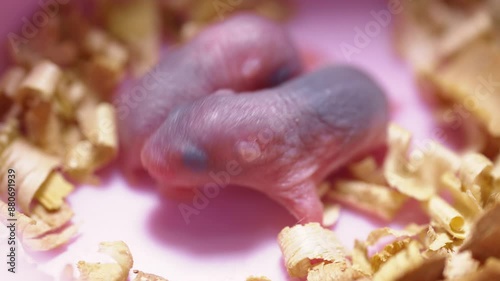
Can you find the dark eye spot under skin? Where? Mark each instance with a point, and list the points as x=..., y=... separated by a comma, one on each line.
x=282, y=74
x=195, y=159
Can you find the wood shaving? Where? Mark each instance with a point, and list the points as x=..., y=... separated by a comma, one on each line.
x=418, y=176
x=368, y=171
x=446, y=216
x=379, y=200
x=460, y=265
x=482, y=242
x=436, y=240
x=137, y=24
x=303, y=244
x=40, y=83
x=194, y=15
x=117, y=271
x=457, y=196
x=38, y=235
x=141, y=276
x=400, y=264
x=457, y=54
x=257, y=278
x=334, y=272
x=53, y=191
x=56, y=119
x=331, y=214
x=360, y=259
x=11, y=80
x=389, y=250
x=32, y=166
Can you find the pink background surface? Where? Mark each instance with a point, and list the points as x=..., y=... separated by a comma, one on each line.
x=235, y=236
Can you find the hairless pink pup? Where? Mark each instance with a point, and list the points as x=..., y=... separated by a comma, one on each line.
x=244, y=53
x=281, y=141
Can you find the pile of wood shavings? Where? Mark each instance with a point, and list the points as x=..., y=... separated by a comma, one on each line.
x=57, y=125
x=454, y=49
x=459, y=243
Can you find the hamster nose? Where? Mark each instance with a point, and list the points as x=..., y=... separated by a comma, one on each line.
x=195, y=158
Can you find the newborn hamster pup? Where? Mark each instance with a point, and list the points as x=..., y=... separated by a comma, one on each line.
x=283, y=141
x=243, y=53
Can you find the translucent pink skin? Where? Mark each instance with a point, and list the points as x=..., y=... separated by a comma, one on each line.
x=243, y=53
x=281, y=141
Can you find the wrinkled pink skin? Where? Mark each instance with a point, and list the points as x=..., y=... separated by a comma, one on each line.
x=284, y=140
x=244, y=53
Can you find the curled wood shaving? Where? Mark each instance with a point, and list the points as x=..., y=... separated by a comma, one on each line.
x=369, y=265
x=36, y=233
x=118, y=271
x=389, y=250
x=301, y=244
x=331, y=214
x=11, y=80
x=51, y=240
x=107, y=64
x=137, y=24
x=360, y=258
x=100, y=146
x=460, y=265
x=53, y=191
x=55, y=218
x=43, y=127
x=99, y=126
x=483, y=240
x=70, y=92
x=40, y=83
x=409, y=231
x=463, y=201
x=375, y=199
x=446, y=216
x=475, y=175
x=427, y=252
x=141, y=276
x=400, y=264
x=80, y=161
x=436, y=240
x=397, y=170
x=469, y=79
x=32, y=166
x=419, y=176
x=368, y=171
x=26, y=226
x=334, y=272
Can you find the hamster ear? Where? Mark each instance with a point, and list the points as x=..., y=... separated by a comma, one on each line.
x=301, y=200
